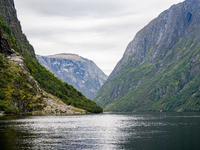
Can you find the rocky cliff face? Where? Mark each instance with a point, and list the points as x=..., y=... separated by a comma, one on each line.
x=158, y=65
x=8, y=12
x=80, y=72
x=160, y=35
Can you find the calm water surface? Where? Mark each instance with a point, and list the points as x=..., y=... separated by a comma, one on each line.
x=108, y=131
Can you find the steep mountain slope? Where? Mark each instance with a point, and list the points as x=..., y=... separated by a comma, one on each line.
x=18, y=90
x=160, y=69
x=18, y=93
x=8, y=11
x=80, y=72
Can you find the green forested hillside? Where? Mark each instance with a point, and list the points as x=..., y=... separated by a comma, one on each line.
x=47, y=81
x=17, y=94
x=66, y=92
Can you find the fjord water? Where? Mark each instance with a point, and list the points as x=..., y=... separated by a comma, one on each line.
x=107, y=131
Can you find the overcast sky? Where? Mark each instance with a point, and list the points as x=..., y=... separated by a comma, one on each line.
x=98, y=30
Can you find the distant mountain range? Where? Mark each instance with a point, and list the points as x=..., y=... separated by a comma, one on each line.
x=75, y=70
x=160, y=68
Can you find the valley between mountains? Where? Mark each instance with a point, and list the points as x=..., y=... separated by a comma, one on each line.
x=158, y=72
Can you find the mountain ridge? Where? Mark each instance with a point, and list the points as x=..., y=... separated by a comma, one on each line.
x=66, y=56
x=130, y=48
x=75, y=70
x=158, y=65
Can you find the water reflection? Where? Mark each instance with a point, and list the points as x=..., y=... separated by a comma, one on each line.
x=104, y=131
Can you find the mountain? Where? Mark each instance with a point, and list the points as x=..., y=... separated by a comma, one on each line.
x=26, y=87
x=19, y=92
x=75, y=70
x=9, y=14
x=160, y=68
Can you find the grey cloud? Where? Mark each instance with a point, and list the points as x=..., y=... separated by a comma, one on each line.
x=71, y=8
x=90, y=28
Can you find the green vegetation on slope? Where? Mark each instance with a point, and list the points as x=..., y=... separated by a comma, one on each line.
x=17, y=91
x=8, y=32
x=66, y=92
x=172, y=86
x=16, y=94
x=47, y=80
